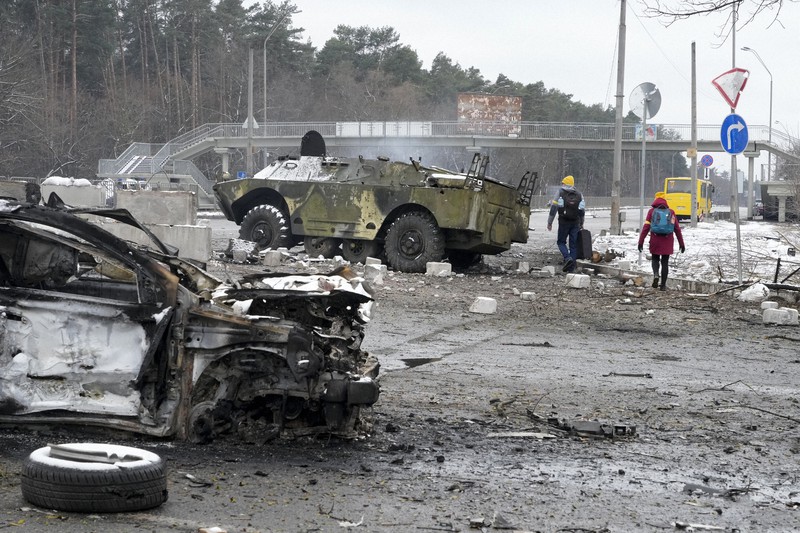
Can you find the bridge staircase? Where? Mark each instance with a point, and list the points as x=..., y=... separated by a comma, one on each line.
x=156, y=166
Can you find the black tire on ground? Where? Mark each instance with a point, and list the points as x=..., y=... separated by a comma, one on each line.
x=413, y=240
x=357, y=250
x=462, y=260
x=137, y=481
x=266, y=226
x=321, y=246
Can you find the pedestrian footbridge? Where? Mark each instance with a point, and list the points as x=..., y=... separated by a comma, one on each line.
x=170, y=165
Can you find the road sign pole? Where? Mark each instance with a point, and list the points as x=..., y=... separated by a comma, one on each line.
x=735, y=184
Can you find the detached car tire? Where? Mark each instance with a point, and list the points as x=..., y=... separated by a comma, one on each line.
x=129, y=479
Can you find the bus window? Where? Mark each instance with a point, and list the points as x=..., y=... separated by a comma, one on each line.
x=679, y=186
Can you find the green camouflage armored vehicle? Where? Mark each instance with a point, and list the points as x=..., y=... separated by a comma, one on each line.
x=358, y=208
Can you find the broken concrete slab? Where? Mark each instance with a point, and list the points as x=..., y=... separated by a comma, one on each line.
x=434, y=268
x=784, y=316
x=272, y=258
x=483, y=305
x=372, y=261
x=374, y=273
x=578, y=281
x=528, y=296
x=769, y=305
x=248, y=247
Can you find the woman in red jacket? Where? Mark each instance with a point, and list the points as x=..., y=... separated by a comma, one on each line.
x=661, y=244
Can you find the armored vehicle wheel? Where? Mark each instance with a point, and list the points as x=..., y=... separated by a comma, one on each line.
x=357, y=251
x=266, y=226
x=321, y=246
x=413, y=240
x=462, y=260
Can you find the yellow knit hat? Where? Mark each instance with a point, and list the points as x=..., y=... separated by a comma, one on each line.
x=569, y=180
x=661, y=194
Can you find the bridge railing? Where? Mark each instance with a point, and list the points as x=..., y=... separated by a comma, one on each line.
x=522, y=130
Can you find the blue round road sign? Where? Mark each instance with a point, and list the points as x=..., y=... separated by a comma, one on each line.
x=733, y=134
x=706, y=160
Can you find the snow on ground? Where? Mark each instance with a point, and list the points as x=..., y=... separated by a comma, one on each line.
x=711, y=251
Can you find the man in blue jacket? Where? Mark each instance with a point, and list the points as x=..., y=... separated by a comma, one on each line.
x=571, y=209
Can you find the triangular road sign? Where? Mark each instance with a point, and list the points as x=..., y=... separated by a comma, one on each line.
x=731, y=84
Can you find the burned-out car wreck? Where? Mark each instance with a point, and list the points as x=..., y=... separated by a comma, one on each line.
x=97, y=331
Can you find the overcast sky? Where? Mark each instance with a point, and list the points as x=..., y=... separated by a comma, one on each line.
x=570, y=45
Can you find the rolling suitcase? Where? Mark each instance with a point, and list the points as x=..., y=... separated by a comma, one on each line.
x=584, y=244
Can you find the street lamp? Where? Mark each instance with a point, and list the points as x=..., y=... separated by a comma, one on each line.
x=769, y=154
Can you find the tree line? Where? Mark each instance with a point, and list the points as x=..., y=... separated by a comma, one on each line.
x=80, y=80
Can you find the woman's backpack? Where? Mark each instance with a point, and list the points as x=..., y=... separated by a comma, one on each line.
x=662, y=221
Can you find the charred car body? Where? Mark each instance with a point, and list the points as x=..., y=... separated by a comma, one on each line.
x=98, y=331
x=408, y=213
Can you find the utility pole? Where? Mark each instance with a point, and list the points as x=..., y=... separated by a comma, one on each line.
x=693, y=163
x=615, y=228
x=250, y=121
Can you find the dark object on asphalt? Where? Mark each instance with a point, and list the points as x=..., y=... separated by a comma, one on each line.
x=94, y=478
x=584, y=244
x=360, y=208
x=100, y=332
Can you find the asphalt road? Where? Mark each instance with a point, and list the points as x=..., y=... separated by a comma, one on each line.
x=474, y=429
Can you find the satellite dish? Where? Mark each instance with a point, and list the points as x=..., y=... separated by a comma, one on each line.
x=645, y=97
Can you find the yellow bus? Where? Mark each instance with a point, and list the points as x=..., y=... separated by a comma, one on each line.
x=678, y=194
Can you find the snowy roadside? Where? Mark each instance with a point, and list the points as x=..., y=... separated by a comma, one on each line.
x=711, y=252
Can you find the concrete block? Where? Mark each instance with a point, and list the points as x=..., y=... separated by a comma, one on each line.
x=769, y=305
x=550, y=270
x=192, y=242
x=159, y=207
x=483, y=305
x=438, y=269
x=248, y=247
x=528, y=296
x=794, y=316
x=239, y=256
x=22, y=191
x=782, y=316
x=578, y=281
x=372, y=261
x=77, y=193
x=375, y=273
x=272, y=258
x=624, y=265
x=523, y=266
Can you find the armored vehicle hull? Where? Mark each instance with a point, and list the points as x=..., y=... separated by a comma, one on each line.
x=357, y=207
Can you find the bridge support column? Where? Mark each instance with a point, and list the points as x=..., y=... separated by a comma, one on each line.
x=751, y=165
x=226, y=161
x=782, y=208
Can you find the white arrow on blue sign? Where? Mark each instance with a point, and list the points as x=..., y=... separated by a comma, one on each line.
x=733, y=134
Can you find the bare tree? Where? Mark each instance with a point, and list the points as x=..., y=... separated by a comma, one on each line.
x=746, y=10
